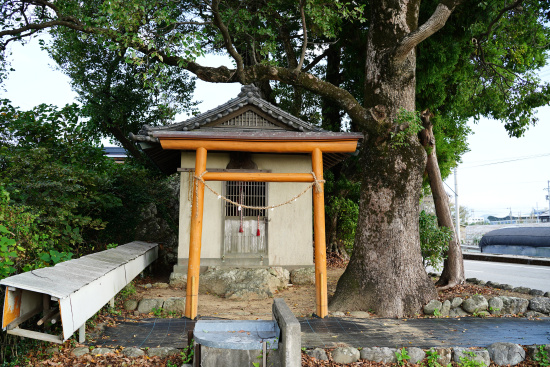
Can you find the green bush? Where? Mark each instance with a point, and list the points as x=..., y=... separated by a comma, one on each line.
x=81, y=199
x=434, y=240
x=341, y=210
x=23, y=246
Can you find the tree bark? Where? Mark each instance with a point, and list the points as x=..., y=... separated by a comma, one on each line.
x=330, y=111
x=385, y=273
x=453, y=266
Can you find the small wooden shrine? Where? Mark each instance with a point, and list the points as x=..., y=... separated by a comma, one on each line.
x=259, y=165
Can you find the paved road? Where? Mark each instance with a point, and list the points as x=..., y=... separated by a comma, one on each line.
x=532, y=276
x=517, y=275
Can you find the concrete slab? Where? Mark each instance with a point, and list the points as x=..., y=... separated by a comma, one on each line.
x=237, y=334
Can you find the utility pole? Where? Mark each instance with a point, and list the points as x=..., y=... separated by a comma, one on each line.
x=457, y=209
x=548, y=196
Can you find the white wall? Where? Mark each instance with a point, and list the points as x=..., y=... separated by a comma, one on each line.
x=212, y=228
x=290, y=227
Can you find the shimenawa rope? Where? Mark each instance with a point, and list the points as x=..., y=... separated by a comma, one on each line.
x=316, y=183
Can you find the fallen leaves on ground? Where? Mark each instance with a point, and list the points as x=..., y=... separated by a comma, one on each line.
x=467, y=290
x=65, y=358
x=334, y=260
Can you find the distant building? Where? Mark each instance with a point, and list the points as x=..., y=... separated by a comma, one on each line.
x=118, y=154
x=478, y=220
x=544, y=216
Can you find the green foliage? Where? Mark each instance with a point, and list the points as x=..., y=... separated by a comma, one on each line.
x=7, y=252
x=341, y=209
x=81, y=200
x=431, y=358
x=402, y=356
x=119, y=95
x=157, y=311
x=23, y=246
x=470, y=361
x=471, y=69
x=542, y=356
x=128, y=290
x=434, y=240
x=408, y=125
x=50, y=165
x=451, y=134
x=54, y=257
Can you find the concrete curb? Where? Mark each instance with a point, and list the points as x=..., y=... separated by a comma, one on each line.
x=506, y=259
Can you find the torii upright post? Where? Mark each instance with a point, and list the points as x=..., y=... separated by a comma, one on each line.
x=194, y=264
x=319, y=235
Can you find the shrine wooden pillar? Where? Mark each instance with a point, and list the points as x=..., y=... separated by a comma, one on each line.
x=194, y=264
x=319, y=235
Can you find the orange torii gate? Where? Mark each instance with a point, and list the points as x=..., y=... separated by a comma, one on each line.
x=337, y=143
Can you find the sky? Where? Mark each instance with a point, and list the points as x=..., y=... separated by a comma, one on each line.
x=498, y=176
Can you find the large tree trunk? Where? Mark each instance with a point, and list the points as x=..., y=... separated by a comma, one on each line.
x=385, y=273
x=453, y=267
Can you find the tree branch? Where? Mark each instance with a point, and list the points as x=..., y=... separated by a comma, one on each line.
x=432, y=25
x=315, y=61
x=304, y=30
x=284, y=35
x=500, y=14
x=218, y=22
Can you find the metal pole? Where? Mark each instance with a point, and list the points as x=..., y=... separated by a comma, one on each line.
x=457, y=209
x=548, y=196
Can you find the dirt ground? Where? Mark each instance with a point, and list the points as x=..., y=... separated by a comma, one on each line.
x=300, y=299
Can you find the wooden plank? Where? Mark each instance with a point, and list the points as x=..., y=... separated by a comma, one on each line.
x=195, y=237
x=319, y=236
x=258, y=177
x=27, y=315
x=36, y=335
x=344, y=146
x=84, y=303
x=48, y=315
x=12, y=306
x=224, y=170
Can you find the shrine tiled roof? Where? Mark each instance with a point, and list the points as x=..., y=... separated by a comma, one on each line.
x=243, y=117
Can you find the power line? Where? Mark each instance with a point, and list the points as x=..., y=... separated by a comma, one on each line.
x=518, y=157
x=507, y=161
x=449, y=187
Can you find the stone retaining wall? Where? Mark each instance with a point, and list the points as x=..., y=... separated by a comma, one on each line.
x=501, y=354
x=478, y=305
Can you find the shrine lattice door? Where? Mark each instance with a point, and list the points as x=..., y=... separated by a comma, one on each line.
x=245, y=232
